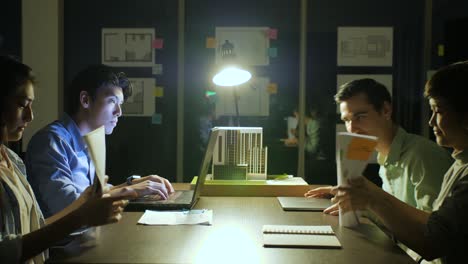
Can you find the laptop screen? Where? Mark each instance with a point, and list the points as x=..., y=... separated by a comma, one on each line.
x=205, y=164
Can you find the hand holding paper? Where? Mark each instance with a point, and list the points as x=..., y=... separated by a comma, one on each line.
x=357, y=195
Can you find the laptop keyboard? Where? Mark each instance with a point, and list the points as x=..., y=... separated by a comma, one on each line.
x=177, y=196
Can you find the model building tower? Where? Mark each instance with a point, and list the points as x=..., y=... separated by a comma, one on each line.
x=239, y=154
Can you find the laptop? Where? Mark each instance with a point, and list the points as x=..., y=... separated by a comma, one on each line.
x=180, y=199
x=303, y=203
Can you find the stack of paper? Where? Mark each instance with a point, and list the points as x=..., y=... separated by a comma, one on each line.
x=192, y=217
x=352, y=155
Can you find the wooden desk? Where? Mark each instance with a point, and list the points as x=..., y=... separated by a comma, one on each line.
x=234, y=237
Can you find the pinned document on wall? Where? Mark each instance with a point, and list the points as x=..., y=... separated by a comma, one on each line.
x=141, y=102
x=365, y=46
x=249, y=44
x=127, y=47
x=253, y=99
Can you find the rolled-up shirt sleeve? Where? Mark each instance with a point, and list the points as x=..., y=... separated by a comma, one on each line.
x=10, y=249
x=447, y=228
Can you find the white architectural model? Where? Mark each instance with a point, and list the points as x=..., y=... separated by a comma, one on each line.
x=239, y=154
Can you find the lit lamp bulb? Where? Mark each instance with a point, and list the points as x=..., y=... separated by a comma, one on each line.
x=231, y=76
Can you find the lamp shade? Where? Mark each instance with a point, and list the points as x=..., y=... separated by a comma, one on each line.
x=231, y=76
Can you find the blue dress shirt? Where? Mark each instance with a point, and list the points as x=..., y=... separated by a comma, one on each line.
x=58, y=165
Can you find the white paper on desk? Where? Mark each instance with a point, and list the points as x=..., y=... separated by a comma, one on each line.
x=352, y=155
x=192, y=217
x=96, y=142
x=288, y=181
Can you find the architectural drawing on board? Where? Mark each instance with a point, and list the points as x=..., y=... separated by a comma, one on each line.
x=239, y=154
x=141, y=103
x=250, y=44
x=365, y=46
x=254, y=99
x=130, y=47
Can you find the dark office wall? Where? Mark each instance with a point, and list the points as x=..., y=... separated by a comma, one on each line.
x=406, y=18
x=10, y=27
x=449, y=28
x=10, y=39
x=136, y=146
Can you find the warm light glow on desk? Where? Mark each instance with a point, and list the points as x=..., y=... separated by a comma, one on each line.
x=237, y=247
x=231, y=76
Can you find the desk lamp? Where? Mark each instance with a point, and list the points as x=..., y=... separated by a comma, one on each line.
x=231, y=75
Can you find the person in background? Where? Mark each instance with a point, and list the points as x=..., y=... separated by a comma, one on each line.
x=411, y=167
x=442, y=233
x=312, y=139
x=57, y=160
x=24, y=233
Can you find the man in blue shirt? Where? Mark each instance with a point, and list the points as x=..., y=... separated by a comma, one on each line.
x=57, y=160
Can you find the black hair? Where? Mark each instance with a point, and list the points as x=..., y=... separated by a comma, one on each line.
x=376, y=92
x=451, y=84
x=91, y=79
x=13, y=74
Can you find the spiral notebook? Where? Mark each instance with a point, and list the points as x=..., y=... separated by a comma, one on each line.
x=299, y=236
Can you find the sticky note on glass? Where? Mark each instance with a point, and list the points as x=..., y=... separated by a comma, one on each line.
x=157, y=69
x=272, y=88
x=440, y=50
x=272, y=52
x=158, y=91
x=272, y=33
x=157, y=43
x=156, y=119
x=210, y=43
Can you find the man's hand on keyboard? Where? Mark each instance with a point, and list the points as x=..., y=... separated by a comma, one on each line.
x=148, y=187
x=158, y=179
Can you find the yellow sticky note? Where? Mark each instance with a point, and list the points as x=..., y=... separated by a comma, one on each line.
x=360, y=149
x=158, y=91
x=272, y=88
x=210, y=43
x=440, y=50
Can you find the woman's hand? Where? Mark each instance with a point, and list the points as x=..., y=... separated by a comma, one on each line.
x=105, y=209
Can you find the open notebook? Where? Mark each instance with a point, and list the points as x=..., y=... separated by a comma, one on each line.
x=299, y=236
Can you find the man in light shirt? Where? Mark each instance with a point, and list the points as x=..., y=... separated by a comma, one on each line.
x=411, y=167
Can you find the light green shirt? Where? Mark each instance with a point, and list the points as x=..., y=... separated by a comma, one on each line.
x=312, y=132
x=414, y=169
